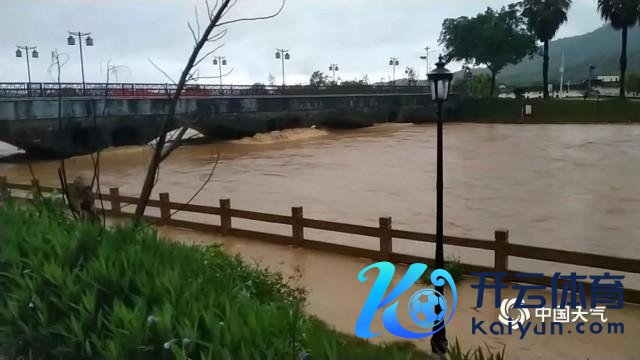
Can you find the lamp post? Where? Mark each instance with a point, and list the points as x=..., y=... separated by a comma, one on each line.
x=220, y=61
x=283, y=55
x=440, y=81
x=34, y=54
x=71, y=40
x=591, y=68
x=334, y=68
x=468, y=76
x=426, y=57
x=394, y=62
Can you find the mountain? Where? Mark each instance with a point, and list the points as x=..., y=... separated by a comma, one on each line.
x=600, y=48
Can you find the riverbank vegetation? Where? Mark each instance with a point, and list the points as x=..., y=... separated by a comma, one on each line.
x=550, y=111
x=75, y=290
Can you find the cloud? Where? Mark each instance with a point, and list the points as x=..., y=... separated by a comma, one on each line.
x=359, y=35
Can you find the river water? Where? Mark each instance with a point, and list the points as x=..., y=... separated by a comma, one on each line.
x=573, y=187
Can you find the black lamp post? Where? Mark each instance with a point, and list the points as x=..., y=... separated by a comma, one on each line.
x=34, y=54
x=71, y=40
x=283, y=55
x=220, y=61
x=440, y=81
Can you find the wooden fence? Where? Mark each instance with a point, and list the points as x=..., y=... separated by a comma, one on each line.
x=384, y=233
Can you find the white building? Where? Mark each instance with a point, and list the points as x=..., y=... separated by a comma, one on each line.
x=608, y=78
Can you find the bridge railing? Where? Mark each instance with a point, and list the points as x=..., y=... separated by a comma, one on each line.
x=11, y=90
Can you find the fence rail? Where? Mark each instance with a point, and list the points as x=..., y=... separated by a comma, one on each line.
x=384, y=233
x=11, y=90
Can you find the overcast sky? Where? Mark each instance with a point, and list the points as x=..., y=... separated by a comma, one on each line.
x=359, y=35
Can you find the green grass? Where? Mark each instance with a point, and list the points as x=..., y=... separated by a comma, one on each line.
x=73, y=290
x=452, y=265
x=552, y=111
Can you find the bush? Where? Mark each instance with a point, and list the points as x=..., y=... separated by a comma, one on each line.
x=452, y=265
x=74, y=290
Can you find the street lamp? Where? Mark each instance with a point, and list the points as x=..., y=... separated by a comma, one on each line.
x=220, y=61
x=426, y=57
x=394, y=62
x=468, y=76
x=72, y=41
x=591, y=68
x=283, y=55
x=34, y=54
x=334, y=68
x=440, y=81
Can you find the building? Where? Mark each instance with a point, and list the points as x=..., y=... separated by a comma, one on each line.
x=608, y=78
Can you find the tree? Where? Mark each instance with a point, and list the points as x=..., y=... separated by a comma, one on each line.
x=478, y=86
x=633, y=82
x=621, y=14
x=164, y=146
x=544, y=17
x=272, y=80
x=493, y=39
x=411, y=76
x=318, y=79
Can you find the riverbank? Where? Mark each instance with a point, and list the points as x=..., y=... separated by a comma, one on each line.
x=548, y=111
x=74, y=289
x=336, y=296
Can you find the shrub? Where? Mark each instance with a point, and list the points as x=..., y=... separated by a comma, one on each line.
x=74, y=290
x=452, y=265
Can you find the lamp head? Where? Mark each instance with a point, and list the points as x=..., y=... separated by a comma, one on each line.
x=440, y=81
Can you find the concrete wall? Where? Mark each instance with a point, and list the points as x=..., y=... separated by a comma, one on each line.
x=89, y=124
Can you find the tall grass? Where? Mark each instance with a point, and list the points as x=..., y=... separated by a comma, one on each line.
x=73, y=290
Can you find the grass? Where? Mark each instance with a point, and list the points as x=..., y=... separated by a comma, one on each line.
x=73, y=290
x=457, y=353
x=452, y=265
x=552, y=111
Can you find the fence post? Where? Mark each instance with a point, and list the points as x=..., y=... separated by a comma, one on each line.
x=165, y=209
x=501, y=253
x=35, y=188
x=115, y=200
x=4, y=188
x=225, y=217
x=385, y=238
x=297, y=227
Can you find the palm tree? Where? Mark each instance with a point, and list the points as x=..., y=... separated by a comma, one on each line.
x=544, y=18
x=621, y=14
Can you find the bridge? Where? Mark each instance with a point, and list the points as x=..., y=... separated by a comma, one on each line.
x=69, y=119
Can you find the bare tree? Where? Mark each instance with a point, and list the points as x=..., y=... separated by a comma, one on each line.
x=162, y=148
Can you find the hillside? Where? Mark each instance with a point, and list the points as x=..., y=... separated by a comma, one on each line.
x=600, y=47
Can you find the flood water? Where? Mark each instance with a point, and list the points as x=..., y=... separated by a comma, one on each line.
x=572, y=187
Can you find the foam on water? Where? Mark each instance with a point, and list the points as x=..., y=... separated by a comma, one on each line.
x=279, y=136
x=7, y=149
